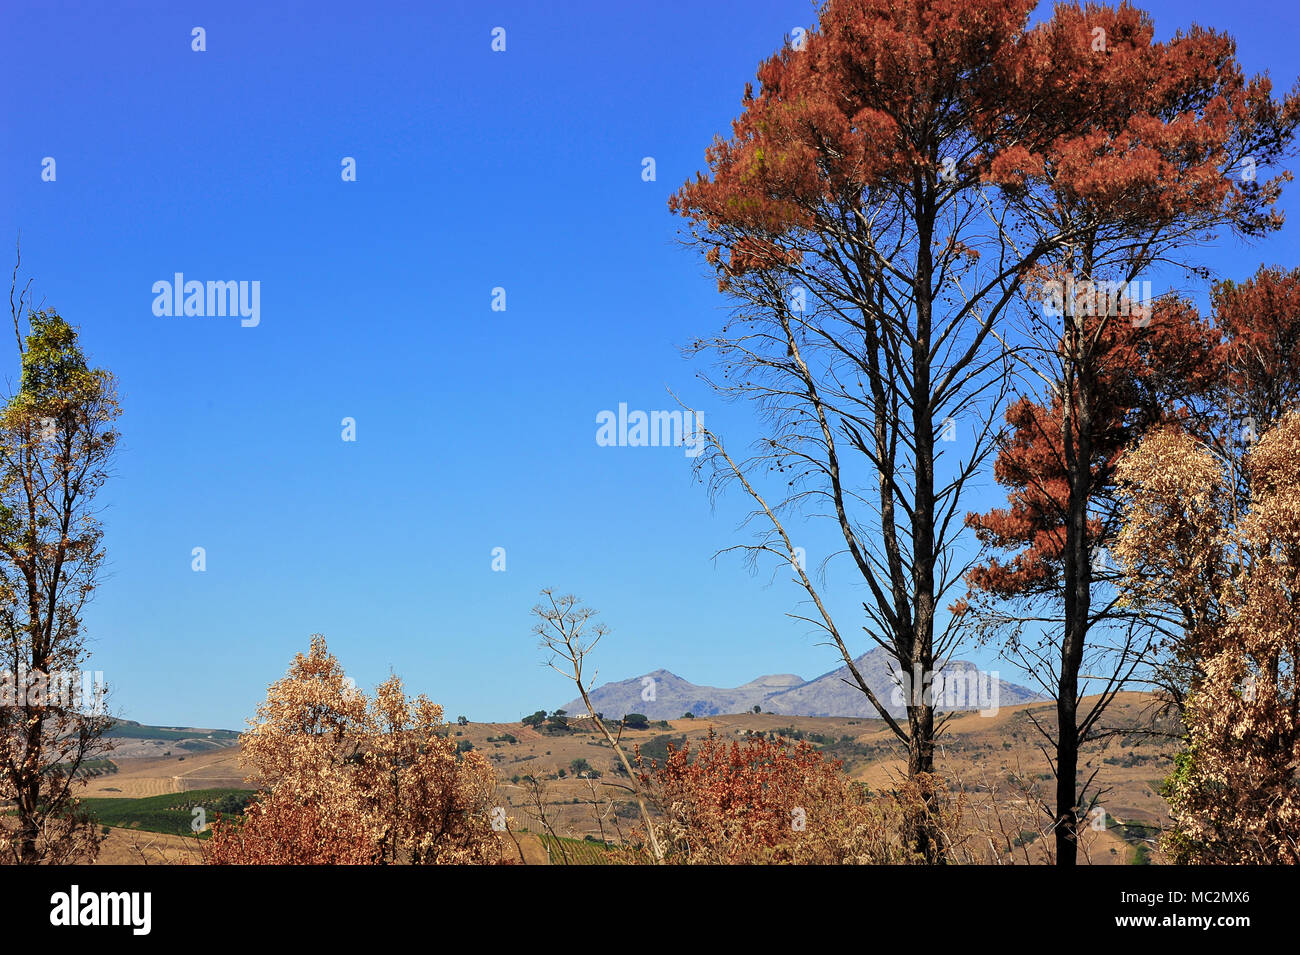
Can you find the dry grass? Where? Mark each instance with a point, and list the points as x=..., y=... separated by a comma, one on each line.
x=995, y=777
x=155, y=776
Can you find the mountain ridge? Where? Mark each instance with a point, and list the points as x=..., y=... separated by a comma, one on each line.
x=662, y=694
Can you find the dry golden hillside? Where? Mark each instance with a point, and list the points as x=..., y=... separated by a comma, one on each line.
x=996, y=762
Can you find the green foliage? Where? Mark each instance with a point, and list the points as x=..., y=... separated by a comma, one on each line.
x=557, y=723
x=657, y=748
x=89, y=768
x=636, y=721
x=233, y=803
x=587, y=851
x=535, y=720
x=1128, y=760
x=815, y=738
x=55, y=377
x=1181, y=849
x=170, y=813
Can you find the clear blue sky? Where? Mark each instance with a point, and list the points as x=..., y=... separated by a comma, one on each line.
x=475, y=428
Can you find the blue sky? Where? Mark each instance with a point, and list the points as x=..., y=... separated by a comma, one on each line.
x=474, y=428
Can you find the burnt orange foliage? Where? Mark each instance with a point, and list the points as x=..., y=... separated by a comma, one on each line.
x=1142, y=375
x=1257, y=353
x=761, y=802
x=1085, y=108
x=1243, y=365
x=1135, y=131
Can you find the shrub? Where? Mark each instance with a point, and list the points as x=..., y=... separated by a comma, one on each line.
x=355, y=779
x=759, y=802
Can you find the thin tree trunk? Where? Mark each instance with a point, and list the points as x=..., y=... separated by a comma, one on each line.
x=1078, y=595
x=920, y=713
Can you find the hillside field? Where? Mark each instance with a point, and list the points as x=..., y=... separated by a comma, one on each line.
x=994, y=759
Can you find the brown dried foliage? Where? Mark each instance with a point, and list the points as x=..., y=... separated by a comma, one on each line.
x=352, y=779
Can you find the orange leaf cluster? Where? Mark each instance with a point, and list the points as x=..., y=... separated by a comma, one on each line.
x=1085, y=107
x=1243, y=364
x=759, y=801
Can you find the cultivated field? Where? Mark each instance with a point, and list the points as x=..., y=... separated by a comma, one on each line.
x=156, y=775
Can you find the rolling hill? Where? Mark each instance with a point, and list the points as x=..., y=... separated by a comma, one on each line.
x=131, y=739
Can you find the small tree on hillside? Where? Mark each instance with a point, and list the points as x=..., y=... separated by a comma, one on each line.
x=56, y=442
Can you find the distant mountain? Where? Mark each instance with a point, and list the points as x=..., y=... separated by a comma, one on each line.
x=662, y=695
